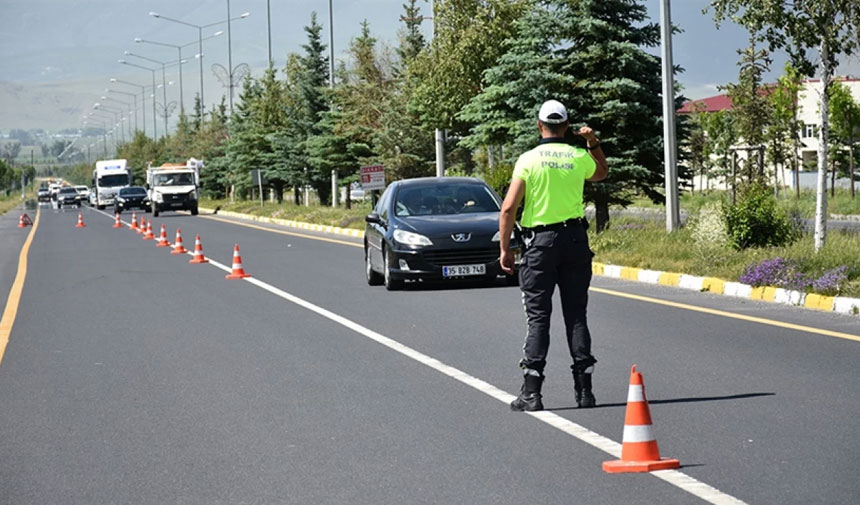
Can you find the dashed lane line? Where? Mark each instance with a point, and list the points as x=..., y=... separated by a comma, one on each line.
x=676, y=478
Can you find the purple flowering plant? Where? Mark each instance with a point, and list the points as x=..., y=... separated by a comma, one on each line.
x=786, y=273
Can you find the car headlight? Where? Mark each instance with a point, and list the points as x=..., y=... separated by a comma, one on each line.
x=193, y=194
x=159, y=197
x=409, y=238
x=498, y=236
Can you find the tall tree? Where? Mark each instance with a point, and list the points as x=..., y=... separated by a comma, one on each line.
x=590, y=55
x=831, y=27
x=411, y=39
x=845, y=120
x=468, y=40
x=750, y=106
x=784, y=106
x=314, y=99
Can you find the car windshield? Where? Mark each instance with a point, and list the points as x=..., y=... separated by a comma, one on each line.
x=132, y=192
x=68, y=191
x=444, y=199
x=180, y=179
x=82, y=188
x=112, y=181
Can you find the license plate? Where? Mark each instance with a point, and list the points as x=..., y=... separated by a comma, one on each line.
x=176, y=204
x=463, y=270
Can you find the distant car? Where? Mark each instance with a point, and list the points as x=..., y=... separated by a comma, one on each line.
x=83, y=191
x=132, y=197
x=44, y=195
x=68, y=196
x=434, y=228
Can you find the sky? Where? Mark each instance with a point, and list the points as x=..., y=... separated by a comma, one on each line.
x=56, y=56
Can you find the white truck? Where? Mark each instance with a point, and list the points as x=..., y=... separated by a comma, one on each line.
x=108, y=177
x=173, y=186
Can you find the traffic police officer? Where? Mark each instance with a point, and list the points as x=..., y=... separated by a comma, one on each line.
x=551, y=177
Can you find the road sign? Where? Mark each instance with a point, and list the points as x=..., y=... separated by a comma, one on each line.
x=373, y=177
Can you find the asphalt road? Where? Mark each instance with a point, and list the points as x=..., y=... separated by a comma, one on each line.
x=132, y=376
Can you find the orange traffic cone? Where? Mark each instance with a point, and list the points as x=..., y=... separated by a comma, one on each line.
x=142, y=228
x=80, y=221
x=178, y=248
x=117, y=224
x=639, y=452
x=24, y=221
x=162, y=240
x=133, y=220
x=198, y=252
x=149, y=235
x=238, y=271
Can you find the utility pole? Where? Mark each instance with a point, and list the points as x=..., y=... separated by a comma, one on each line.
x=669, y=148
x=439, y=133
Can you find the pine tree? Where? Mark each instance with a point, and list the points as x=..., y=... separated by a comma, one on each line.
x=590, y=55
x=411, y=39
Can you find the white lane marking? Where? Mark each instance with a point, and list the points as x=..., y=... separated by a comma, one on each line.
x=677, y=478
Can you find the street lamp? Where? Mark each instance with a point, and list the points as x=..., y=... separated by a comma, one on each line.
x=163, y=64
x=178, y=47
x=142, y=97
x=154, y=128
x=132, y=95
x=200, y=43
x=117, y=113
x=127, y=105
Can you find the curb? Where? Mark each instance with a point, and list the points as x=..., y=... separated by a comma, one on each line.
x=349, y=232
x=840, y=304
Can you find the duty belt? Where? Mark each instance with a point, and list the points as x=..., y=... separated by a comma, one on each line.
x=576, y=221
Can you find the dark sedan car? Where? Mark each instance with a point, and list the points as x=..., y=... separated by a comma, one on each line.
x=132, y=197
x=434, y=228
x=68, y=196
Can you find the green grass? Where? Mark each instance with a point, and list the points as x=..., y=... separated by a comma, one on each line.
x=629, y=242
x=646, y=244
x=841, y=203
x=8, y=203
x=317, y=214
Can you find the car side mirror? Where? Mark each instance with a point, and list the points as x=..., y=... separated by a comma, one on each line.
x=373, y=218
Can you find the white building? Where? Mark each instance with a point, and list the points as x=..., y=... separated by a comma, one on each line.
x=808, y=115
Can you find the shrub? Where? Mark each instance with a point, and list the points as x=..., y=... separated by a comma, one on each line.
x=756, y=221
x=709, y=227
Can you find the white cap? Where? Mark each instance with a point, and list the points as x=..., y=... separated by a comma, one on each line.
x=552, y=112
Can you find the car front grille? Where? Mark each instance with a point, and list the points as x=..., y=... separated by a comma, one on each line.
x=462, y=256
x=170, y=197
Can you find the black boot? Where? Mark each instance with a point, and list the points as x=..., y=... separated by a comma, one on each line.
x=582, y=386
x=529, y=399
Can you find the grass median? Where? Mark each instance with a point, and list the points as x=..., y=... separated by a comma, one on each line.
x=629, y=241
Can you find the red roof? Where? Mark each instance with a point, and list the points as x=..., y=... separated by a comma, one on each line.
x=711, y=104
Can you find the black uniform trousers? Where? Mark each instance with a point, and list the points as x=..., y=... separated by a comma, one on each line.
x=556, y=255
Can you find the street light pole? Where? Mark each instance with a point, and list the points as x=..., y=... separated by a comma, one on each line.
x=669, y=150
x=142, y=97
x=230, y=57
x=132, y=95
x=269, y=30
x=330, y=45
x=200, y=43
x=152, y=70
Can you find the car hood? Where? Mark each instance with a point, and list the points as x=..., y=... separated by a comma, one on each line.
x=443, y=226
x=174, y=190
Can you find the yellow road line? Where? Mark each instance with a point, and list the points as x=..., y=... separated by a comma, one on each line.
x=14, y=299
x=722, y=313
x=732, y=315
x=293, y=234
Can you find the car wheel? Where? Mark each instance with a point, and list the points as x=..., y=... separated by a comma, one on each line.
x=100, y=207
x=390, y=283
x=154, y=211
x=194, y=210
x=374, y=278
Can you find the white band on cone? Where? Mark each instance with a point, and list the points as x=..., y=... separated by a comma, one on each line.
x=635, y=393
x=637, y=433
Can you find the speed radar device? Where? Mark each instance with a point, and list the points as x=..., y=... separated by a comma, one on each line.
x=108, y=178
